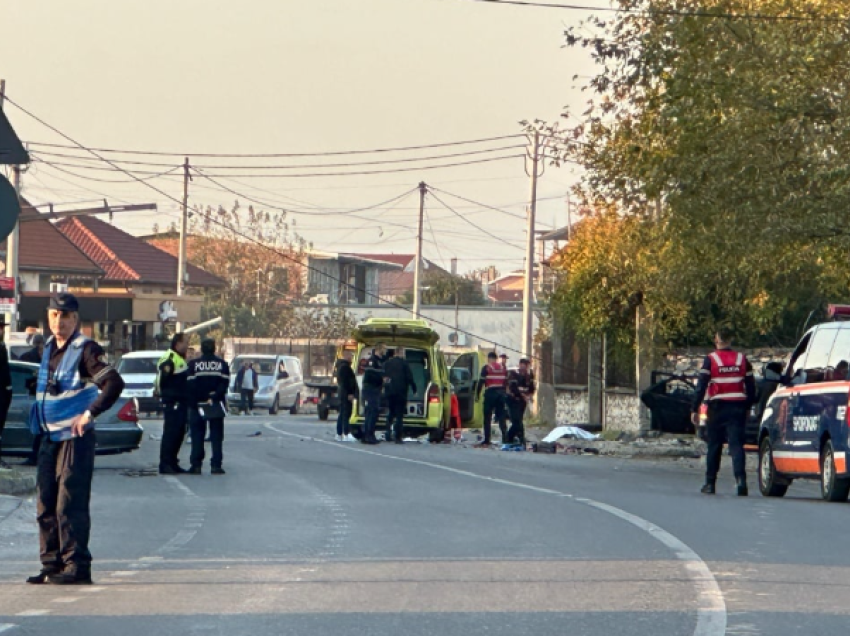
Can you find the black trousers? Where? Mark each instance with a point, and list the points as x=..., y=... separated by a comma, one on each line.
x=397, y=407
x=5, y=402
x=65, y=471
x=198, y=427
x=173, y=433
x=516, y=409
x=494, y=402
x=344, y=417
x=726, y=423
x=246, y=395
x=372, y=409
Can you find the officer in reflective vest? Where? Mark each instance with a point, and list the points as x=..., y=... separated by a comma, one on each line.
x=75, y=385
x=172, y=375
x=493, y=380
x=726, y=383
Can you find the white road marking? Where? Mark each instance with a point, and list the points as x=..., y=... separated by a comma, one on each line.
x=67, y=599
x=152, y=558
x=34, y=613
x=124, y=573
x=5, y=627
x=711, y=607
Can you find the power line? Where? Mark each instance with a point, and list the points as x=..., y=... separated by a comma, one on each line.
x=251, y=239
x=668, y=12
x=476, y=226
x=447, y=144
x=469, y=153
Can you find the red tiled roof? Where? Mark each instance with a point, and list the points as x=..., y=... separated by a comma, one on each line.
x=127, y=258
x=505, y=295
x=44, y=248
x=397, y=282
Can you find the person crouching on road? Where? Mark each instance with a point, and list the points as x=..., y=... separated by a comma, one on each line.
x=726, y=382
x=397, y=384
x=373, y=381
x=493, y=378
x=247, y=383
x=519, y=393
x=209, y=377
x=346, y=386
x=68, y=402
x=172, y=373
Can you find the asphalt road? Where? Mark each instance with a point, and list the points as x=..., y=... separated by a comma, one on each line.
x=305, y=535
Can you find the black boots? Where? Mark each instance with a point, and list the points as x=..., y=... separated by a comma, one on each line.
x=41, y=577
x=743, y=491
x=708, y=489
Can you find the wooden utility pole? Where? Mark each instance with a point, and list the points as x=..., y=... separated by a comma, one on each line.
x=528, y=287
x=14, y=239
x=417, y=271
x=184, y=220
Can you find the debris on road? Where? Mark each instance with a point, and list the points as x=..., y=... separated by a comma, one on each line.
x=254, y=434
x=570, y=432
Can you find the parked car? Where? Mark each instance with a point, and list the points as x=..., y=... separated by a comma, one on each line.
x=280, y=380
x=139, y=369
x=804, y=430
x=117, y=430
x=429, y=409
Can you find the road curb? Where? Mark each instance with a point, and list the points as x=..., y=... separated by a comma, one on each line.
x=14, y=482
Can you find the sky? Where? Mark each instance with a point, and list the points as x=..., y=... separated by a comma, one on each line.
x=300, y=76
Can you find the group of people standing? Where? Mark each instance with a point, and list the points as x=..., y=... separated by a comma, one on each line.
x=507, y=394
x=192, y=393
x=386, y=375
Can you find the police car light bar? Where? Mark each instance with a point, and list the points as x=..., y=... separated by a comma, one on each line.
x=838, y=312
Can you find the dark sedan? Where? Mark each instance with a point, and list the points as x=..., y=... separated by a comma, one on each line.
x=118, y=429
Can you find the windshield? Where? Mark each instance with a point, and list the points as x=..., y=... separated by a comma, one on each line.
x=263, y=366
x=137, y=365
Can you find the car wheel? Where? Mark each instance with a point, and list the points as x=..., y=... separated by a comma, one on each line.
x=768, y=477
x=294, y=408
x=324, y=411
x=437, y=437
x=275, y=406
x=833, y=487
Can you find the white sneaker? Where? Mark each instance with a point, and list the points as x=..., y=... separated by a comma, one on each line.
x=338, y=438
x=349, y=438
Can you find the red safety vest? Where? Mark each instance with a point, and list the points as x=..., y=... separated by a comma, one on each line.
x=728, y=372
x=496, y=376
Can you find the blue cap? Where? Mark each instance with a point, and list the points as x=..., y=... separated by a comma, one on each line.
x=63, y=301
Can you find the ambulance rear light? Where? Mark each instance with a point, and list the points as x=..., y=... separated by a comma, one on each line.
x=129, y=412
x=434, y=394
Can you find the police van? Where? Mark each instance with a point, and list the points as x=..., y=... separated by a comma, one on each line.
x=804, y=432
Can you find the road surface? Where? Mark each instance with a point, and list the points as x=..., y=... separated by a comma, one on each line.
x=305, y=535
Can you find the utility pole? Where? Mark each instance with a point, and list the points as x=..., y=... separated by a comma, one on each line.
x=184, y=219
x=528, y=287
x=569, y=217
x=14, y=239
x=417, y=271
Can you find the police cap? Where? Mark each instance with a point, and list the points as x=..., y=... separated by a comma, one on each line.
x=63, y=301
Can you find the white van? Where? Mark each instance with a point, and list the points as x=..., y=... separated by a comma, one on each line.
x=280, y=380
x=138, y=370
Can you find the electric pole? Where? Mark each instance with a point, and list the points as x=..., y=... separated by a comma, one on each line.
x=417, y=271
x=181, y=258
x=14, y=239
x=528, y=287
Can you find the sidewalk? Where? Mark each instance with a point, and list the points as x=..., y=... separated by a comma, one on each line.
x=16, y=482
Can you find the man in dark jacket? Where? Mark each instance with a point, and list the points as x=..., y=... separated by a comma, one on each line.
x=247, y=383
x=5, y=386
x=346, y=386
x=34, y=354
x=209, y=377
x=172, y=373
x=373, y=381
x=397, y=383
x=519, y=393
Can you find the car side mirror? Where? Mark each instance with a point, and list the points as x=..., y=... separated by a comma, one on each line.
x=282, y=375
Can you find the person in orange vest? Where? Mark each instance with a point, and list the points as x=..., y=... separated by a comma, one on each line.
x=726, y=383
x=493, y=381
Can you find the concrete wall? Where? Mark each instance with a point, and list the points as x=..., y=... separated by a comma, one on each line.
x=621, y=409
x=491, y=326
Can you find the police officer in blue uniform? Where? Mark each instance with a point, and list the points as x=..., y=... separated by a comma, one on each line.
x=209, y=377
x=75, y=385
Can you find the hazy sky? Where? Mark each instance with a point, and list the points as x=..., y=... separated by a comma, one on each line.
x=299, y=76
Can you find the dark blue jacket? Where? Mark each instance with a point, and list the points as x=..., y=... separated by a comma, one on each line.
x=209, y=377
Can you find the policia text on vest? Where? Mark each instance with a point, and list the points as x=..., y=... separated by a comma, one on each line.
x=726, y=384
x=171, y=378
